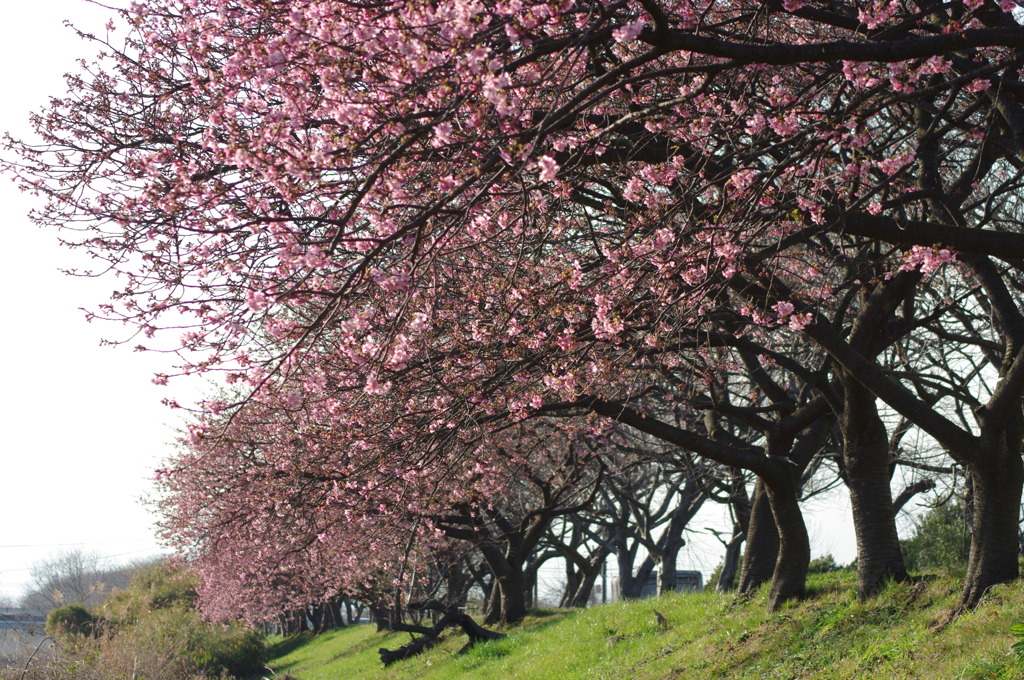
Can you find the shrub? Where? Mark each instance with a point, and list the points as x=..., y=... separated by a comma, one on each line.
x=208, y=648
x=153, y=631
x=162, y=585
x=940, y=540
x=824, y=565
x=157, y=611
x=72, y=619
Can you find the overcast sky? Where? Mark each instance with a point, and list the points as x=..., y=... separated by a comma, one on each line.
x=83, y=425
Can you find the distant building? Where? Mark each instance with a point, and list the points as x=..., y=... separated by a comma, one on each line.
x=686, y=581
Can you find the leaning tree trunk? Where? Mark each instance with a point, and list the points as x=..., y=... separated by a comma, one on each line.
x=762, y=544
x=866, y=462
x=998, y=476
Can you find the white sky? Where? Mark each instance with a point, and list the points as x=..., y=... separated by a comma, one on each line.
x=83, y=425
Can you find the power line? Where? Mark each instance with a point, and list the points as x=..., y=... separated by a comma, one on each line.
x=100, y=557
x=65, y=545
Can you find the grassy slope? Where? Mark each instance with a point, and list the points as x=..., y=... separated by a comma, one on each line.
x=829, y=635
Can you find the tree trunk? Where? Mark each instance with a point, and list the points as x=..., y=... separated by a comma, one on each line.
x=512, y=590
x=762, y=544
x=508, y=589
x=667, y=571
x=588, y=577
x=354, y=610
x=492, y=605
x=337, y=619
x=458, y=582
x=643, y=574
x=530, y=588
x=790, y=574
x=669, y=553
x=866, y=463
x=998, y=477
x=629, y=586
x=572, y=585
x=318, y=616
x=727, y=577
x=740, y=504
x=382, y=617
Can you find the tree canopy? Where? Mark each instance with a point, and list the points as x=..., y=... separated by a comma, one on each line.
x=405, y=232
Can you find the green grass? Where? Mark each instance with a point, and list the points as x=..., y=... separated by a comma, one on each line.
x=898, y=634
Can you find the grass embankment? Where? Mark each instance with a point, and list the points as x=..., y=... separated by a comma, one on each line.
x=897, y=634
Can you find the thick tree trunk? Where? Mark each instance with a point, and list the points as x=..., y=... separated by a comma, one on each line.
x=866, y=463
x=381, y=617
x=337, y=617
x=998, y=477
x=513, y=597
x=458, y=583
x=667, y=582
x=629, y=585
x=790, y=574
x=508, y=597
x=762, y=544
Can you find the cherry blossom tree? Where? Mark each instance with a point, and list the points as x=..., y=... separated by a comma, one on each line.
x=443, y=217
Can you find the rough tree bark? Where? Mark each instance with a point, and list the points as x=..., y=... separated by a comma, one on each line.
x=740, y=504
x=762, y=544
x=998, y=478
x=790, y=574
x=866, y=465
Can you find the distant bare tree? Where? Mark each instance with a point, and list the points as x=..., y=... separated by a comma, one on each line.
x=73, y=576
